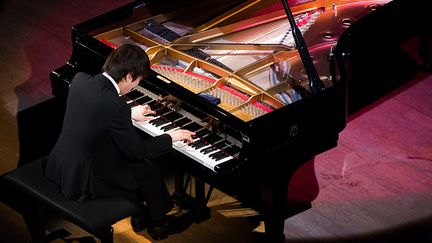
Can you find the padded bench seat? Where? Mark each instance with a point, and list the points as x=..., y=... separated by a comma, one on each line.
x=95, y=216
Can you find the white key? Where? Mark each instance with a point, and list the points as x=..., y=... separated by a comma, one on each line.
x=204, y=159
x=183, y=147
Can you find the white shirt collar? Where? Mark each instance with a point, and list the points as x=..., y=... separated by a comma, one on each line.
x=112, y=81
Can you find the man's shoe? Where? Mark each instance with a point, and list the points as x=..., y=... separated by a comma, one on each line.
x=139, y=223
x=174, y=224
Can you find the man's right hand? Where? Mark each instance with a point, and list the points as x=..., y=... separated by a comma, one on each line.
x=181, y=134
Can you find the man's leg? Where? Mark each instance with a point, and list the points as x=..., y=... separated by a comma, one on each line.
x=153, y=190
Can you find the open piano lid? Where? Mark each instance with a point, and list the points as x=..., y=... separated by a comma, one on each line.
x=241, y=60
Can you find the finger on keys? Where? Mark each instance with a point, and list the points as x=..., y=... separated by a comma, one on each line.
x=137, y=113
x=188, y=135
x=147, y=118
x=148, y=110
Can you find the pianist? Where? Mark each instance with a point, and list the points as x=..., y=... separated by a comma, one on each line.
x=99, y=153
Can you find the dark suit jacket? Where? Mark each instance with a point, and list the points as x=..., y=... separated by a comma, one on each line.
x=98, y=145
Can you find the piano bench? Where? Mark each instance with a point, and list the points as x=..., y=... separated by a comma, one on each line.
x=94, y=216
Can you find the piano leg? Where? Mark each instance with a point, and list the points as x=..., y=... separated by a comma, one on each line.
x=201, y=209
x=266, y=191
x=277, y=205
x=179, y=184
x=274, y=229
x=200, y=191
x=197, y=204
x=274, y=195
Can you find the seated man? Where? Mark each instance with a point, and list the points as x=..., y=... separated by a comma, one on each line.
x=99, y=152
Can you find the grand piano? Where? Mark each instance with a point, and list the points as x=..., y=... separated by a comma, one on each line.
x=261, y=103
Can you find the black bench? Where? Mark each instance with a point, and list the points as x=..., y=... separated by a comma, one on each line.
x=94, y=216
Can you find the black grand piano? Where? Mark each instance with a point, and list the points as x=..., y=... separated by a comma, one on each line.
x=234, y=72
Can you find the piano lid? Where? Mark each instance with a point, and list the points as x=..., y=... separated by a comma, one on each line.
x=244, y=60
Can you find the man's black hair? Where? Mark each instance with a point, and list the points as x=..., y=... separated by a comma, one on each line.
x=128, y=58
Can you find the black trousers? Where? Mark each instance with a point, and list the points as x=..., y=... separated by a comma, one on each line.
x=152, y=189
x=147, y=186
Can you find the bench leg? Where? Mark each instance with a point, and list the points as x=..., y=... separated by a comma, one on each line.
x=34, y=218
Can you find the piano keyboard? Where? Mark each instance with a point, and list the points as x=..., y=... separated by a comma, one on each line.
x=208, y=148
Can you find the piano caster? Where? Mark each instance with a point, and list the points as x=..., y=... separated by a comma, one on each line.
x=265, y=238
x=275, y=238
x=200, y=212
x=274, y=230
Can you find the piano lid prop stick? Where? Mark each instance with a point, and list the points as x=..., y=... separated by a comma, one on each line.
x=315, y=83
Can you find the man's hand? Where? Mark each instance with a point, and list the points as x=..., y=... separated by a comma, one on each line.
x=142, y=113
x=181, y=134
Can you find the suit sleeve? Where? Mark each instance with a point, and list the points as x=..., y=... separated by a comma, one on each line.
x=130, y=143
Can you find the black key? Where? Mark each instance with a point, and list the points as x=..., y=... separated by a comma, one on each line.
x=202, y=133
x=134, y=94
x=228, y=151
x=168, y=127
x=182, y=121
x=216, y=154
x=212, y=138
x=177, y=123
x=203, y=144
x=221, y=156
x=154, y=105
x=212, y=154
x=143, y=100
x=195, y=143
x=209, y=150
x=167, y=118
x=222, y=144
x=199, y=144
x=162, y=122
x=172, y=116
x=216, y=146
x=192, y=127
x=232, y=149
x=162, y=110
x=157, y=120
